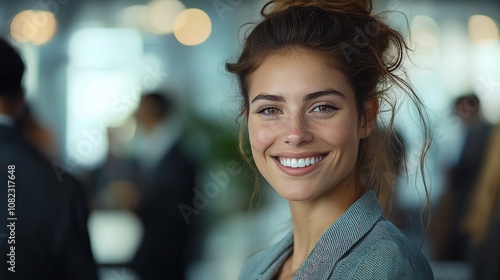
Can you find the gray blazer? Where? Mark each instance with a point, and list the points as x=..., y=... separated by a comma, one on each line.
x=361, y=244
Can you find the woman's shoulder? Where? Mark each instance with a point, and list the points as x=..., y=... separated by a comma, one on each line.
x=263, y=263
x=385, y=253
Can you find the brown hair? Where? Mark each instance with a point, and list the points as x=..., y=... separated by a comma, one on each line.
x=364, y=48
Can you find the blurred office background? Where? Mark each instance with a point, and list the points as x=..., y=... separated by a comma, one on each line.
x=90, y=61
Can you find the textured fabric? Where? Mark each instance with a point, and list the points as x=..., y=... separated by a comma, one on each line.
x=361, y=244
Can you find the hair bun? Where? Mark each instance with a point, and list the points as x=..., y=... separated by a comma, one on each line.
x=339, y=6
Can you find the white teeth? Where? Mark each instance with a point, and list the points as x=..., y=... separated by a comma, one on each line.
x=299, y=163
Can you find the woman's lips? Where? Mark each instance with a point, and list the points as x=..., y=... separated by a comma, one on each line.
x=300, y=162
x=298, y=166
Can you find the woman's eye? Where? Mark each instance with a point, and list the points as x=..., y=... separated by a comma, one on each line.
x=325, y=109
x=269, y=111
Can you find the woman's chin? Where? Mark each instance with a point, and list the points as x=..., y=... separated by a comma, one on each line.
x=297, y=195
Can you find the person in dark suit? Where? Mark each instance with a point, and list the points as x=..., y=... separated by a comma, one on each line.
x=168, y=179
x=451, y=241
x=481, y=222
x=46, y=212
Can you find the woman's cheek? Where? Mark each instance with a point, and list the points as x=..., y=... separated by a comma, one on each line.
x=261, y=136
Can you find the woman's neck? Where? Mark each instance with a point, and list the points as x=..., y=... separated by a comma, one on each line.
x=312, y=218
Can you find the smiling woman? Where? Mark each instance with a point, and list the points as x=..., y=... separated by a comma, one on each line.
x=304, y=110
x=313, y=75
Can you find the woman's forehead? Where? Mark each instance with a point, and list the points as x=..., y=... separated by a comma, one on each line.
x=296, y=70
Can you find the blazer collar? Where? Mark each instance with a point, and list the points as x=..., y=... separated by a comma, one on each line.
x=341, y=236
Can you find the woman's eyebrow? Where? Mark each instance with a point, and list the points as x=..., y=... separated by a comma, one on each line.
x=322, y=93
x=270, y=97
x=310, y=96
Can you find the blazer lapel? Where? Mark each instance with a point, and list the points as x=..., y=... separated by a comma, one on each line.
x=343, y=234
x=277, y=256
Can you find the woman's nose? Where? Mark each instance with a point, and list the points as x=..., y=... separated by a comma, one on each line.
x=296, y=131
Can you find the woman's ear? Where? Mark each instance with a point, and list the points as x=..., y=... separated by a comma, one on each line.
x=369, y=119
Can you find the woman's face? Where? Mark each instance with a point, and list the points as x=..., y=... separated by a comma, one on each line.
x=303, y=125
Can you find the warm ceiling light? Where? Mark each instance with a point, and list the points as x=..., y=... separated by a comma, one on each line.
x=47, y=31
x=162, y=15
x=192, y=27
x=20, y=27
x=37, y=27
x=483, y=29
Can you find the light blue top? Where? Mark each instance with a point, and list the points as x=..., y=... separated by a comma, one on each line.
x=361, y=244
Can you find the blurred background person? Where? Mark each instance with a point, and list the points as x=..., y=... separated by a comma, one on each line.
x=38, y=134
x=451, y=242
x=167, y=179
x=113, y=183
x=481, y=223
x=51, y=238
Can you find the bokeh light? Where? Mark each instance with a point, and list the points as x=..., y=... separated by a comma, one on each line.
x=37, y=27
x=136, y=16
x=192, y=27
x=425, y=31
x=483, y=29
x=162, y=14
